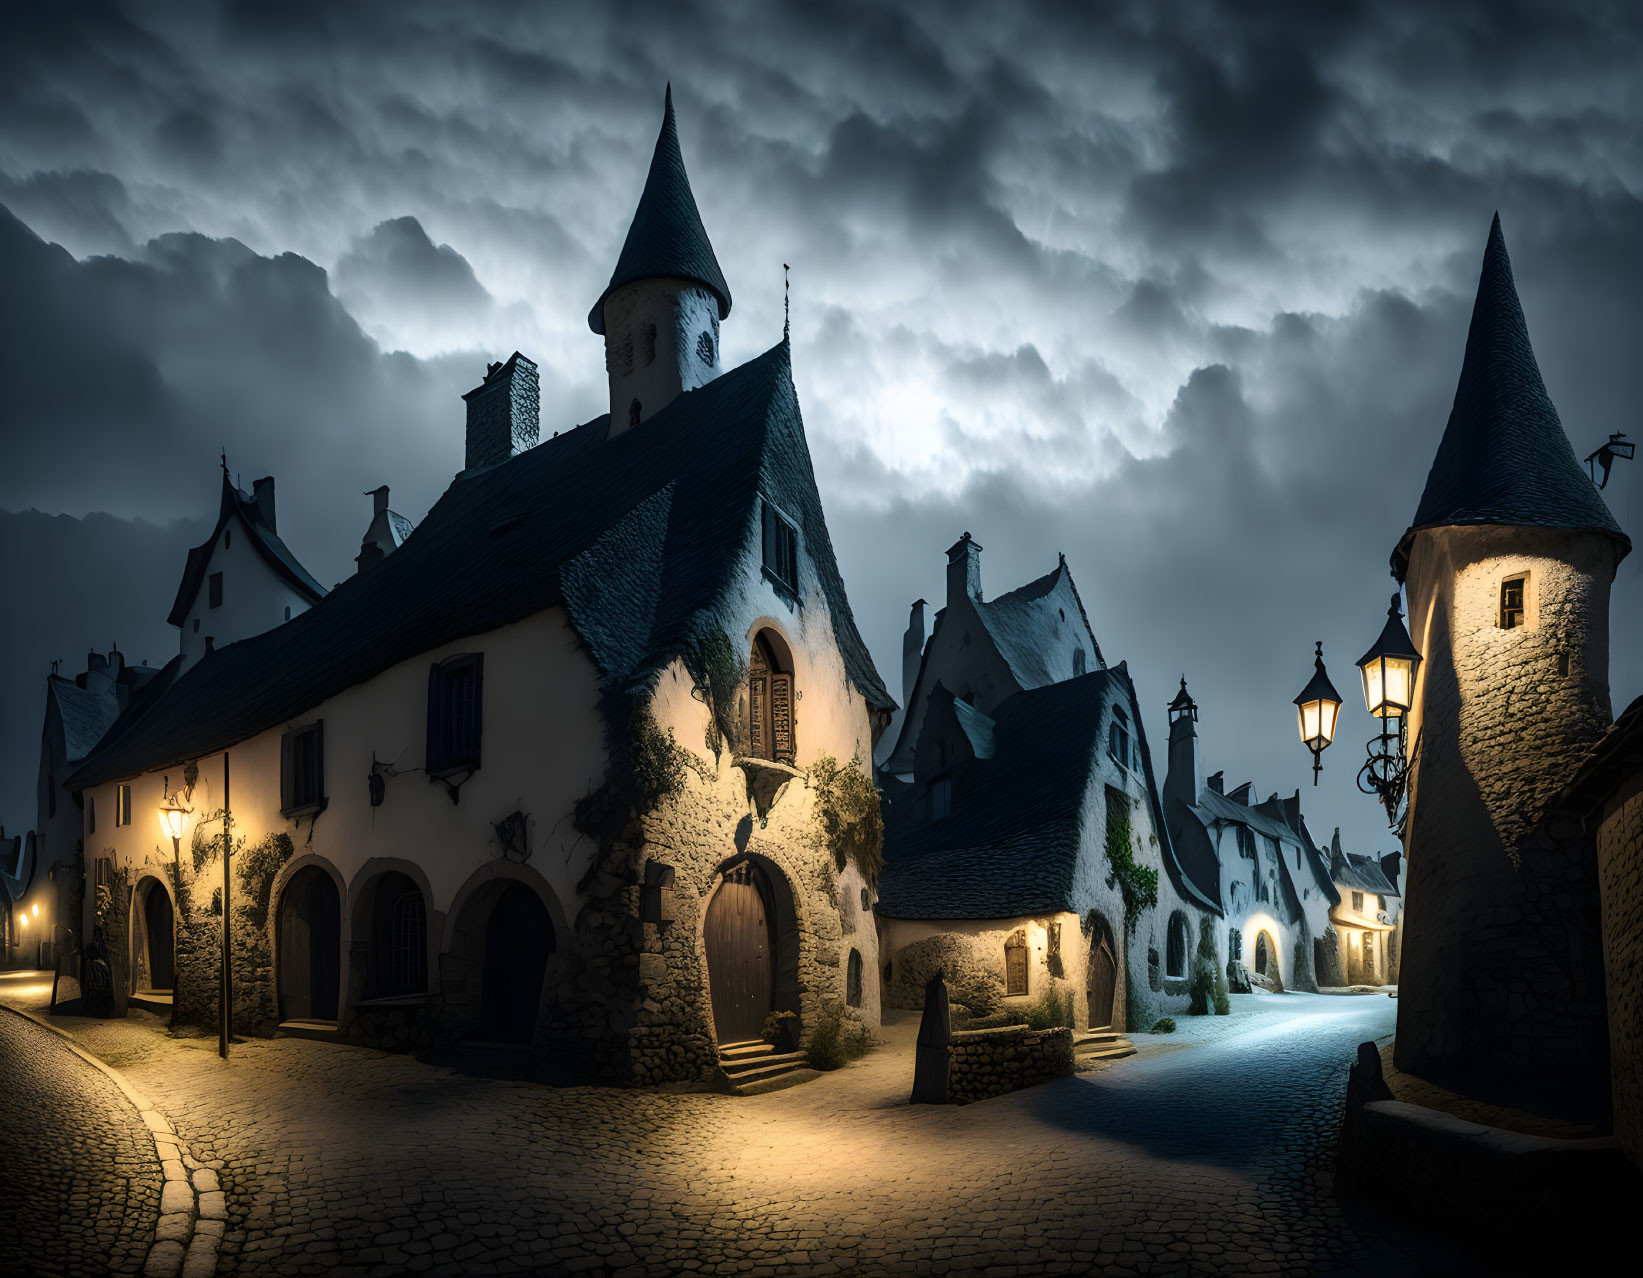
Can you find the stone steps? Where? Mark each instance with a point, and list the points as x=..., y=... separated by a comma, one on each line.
x=323, y=1031
x=753, y=1068
x=1102, y=1045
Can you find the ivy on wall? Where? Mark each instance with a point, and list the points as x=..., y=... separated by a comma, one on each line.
x=1136, y=883
x=646, y=766
x=852, y=820
x=719, y=675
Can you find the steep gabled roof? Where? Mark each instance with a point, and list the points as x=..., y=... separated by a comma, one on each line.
x=86, y=714
x=666, y=238
x=638, y=536
x=239, y=506
x=1011, y=846
x=1021, y=624
x=1504, y=458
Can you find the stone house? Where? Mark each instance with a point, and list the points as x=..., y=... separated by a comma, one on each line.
x=1507, y=566
x=1023, y=786
x=1364, y=922
x=1256, y=860
x=556, y=773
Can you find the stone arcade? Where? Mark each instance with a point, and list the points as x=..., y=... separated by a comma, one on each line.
x=543, y=775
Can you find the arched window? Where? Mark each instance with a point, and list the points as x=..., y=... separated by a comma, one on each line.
x=770, y=700
x=1175, y=949
x=704, y=348
x=399, y=937
x=852, y=980
x=1015, y=962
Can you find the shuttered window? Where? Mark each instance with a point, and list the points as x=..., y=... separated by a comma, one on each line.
x=122, y=805
x=302, y=768
x=1015, y=964
x=781, y=547
x=455, y=713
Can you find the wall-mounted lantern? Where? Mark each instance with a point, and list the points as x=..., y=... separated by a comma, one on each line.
x=1388, y=671
x=1317, y=710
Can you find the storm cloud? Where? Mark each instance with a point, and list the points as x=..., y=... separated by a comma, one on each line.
x=1179, y=291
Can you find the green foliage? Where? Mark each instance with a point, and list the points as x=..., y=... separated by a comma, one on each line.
x=1204, y=968
x=719, y=674
x=1163, y=1025
x=837, y=1038
x=1052, y=1008
x=852, y=820
x=1223, y=1000
x=1138, y=884
x=257, y=865
x=646, y=765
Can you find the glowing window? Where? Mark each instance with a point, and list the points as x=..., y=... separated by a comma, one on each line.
x=1511, y=602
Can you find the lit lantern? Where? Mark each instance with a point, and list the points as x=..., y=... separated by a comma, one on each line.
x=1389, y=668
x=1317, y=709
x=173, y=816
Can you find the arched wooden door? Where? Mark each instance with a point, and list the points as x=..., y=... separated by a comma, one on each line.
x=1263, y=955
x=1103, y=979
x=158, y=924
x=518, y=941
x=310, y=960
x=740, y=955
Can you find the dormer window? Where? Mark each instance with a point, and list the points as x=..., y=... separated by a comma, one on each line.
x=781, y=547
x=213, y=586
x=1512, y=592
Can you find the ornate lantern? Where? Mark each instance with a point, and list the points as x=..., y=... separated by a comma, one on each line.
x=1317, y=711
x=1389, y=667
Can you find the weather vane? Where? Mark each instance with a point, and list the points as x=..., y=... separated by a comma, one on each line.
x=787, y=304
x=1617, y=447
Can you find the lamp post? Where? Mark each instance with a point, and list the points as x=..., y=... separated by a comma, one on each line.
x=1388, y=671
x=1317, y=710
x=174, y=817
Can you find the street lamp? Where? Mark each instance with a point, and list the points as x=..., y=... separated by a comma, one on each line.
x=174, y=817
x=1388, y=671
x=1317, y=711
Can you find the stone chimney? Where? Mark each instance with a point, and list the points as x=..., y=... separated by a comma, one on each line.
x=262, y=502
x=1184, y=779
x=964, y=570
x=1217, y=782
x=503, y=414
x=912, y=651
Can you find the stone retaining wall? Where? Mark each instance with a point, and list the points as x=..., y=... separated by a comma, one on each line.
x=991, y=1062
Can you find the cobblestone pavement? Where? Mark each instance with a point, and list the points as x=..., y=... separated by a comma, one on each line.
x=1212, y=1158
x=79, y=1178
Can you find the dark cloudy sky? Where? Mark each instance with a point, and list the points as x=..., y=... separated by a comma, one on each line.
x=1180, y=290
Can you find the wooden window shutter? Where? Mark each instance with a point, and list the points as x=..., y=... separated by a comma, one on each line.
x=781, y=717
x=436, y=755
x=287, y=766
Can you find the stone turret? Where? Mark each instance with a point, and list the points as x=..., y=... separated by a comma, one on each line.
x=1507, y=566
x=660, y=313
x=1184, y=780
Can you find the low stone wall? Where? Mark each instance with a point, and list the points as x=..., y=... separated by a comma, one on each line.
x=990, y=1062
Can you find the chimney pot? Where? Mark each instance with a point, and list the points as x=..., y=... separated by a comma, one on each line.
x=262, y=501
x=504, y=413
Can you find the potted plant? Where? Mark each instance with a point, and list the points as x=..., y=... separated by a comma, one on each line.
x=781, y=1031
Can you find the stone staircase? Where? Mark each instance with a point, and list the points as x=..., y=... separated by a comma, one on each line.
x=755, y=1067
x=1101, y=1045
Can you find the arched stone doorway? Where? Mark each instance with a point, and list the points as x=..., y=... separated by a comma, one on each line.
x=1102, y=980
x=310, y=946
x=518, y=941
x=153, y=940
x=770, y=699
x=1266, y=958
x=751, y=946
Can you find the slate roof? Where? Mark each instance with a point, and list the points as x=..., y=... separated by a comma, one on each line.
x=86, y=715
x=1020, y=621
x=1357, y=872
x=1011, y=846
x=1613, y=759
x=1504, y=458
x=666, y=237
x=639, y=537
x=274, y=552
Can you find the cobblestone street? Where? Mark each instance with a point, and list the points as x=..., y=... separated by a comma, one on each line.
x=1208, y=1152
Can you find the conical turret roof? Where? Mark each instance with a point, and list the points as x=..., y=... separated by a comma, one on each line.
x=1504, y=458
x=667, y=238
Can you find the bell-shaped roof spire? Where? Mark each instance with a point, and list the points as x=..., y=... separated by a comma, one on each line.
x=1504, y=458
x=667, y=238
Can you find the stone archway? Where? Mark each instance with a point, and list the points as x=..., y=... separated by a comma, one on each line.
x=153, y=939
x=1266, y=960
x=505, y=934
x=750, y=942
x=1101, y=983
x=309, y=939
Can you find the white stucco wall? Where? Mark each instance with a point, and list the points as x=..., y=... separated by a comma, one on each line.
x=254, y=597
x=681, y=311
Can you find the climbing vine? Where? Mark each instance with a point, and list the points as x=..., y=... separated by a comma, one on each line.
x=719, y=675
x=1137, y=884
x=646, y=766
x=257, y=866
x=852, y=820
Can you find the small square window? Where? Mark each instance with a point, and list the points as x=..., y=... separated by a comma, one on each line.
x=302, y=768
x=122, y=805
x=1357, y=902
x=781, y=548
x=1511, y=602
x=214, y=587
